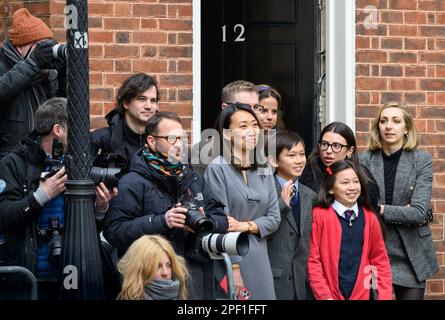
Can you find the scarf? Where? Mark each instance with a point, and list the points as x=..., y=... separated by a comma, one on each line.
x=160, y=164
x=162, y=290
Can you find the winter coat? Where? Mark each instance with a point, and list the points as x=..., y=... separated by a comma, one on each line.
x=19, y=177
x=23, y=87
x=116, y=138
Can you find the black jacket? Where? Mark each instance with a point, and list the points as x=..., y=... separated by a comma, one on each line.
x=140, y=206
x=23, y=87
x=116, y=138
x=143, y=199
x=19, y=177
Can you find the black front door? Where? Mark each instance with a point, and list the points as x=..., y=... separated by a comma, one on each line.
x=262, y=41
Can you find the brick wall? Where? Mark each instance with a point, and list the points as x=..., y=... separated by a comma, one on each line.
x=403, y=59
x=126, y=37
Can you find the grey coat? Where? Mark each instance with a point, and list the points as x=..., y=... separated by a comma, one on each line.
x=413, y=186
x=289, y=248
x=257, y=202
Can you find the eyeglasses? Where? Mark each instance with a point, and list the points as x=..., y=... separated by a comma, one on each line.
x=256, y=107
x=173, y=139
x=336, y=147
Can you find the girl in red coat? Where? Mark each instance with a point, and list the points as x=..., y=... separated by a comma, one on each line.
x=347, y=255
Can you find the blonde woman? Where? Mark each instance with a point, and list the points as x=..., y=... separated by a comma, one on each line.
x=404, y=175
x=151, y=270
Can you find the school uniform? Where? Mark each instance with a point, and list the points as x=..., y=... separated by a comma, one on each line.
x=344, y=252
x=288, y=247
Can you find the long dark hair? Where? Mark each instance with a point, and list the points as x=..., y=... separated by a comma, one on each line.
x=325, y=199
x=338, y=128
x=223, y=122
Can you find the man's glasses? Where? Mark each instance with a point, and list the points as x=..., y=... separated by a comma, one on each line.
x=256, y=107
x=173, y=139
x=336, y=147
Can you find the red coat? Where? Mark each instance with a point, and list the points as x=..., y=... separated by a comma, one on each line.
x=324, y=256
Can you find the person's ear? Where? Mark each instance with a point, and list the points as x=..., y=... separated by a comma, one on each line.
x=151, y=142
x=350, y=152
x=331, y=192
x=57, y=130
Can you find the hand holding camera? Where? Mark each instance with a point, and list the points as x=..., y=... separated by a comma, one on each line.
x=53, y=183
x=43, y=54
x=175, y=217
x=103, y=196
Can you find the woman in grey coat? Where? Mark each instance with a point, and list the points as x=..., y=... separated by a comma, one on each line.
x=404, y=175
x=245, y=185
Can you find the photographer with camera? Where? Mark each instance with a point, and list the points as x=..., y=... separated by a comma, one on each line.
x=29, y=75
x=160, y=195
x=32, y=183
x=136, y=101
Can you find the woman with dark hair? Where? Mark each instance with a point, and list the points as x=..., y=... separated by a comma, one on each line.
x=347, y=255
x=242, y=180
x=269, y=115
x=336, y=142
x=405, y=176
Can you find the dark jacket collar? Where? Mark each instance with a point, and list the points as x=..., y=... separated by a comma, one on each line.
x=30, y=148
x=121, y=134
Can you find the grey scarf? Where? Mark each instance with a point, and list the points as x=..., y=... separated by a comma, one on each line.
x=162, y=290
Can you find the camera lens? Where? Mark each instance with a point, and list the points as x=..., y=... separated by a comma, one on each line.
x=195, y=220
x=232, y=243
x=109, y=176
x=59, y=51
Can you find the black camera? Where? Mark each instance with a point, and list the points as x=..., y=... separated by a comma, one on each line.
x=57, y=161
x=195, y=219
x=108, y=168
x=55, y=243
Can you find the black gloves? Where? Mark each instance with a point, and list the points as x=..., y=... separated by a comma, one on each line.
x=43, y=54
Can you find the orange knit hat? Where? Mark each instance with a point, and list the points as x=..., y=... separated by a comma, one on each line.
x=26, y=28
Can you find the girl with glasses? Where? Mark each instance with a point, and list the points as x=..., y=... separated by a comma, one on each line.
x=336, y=142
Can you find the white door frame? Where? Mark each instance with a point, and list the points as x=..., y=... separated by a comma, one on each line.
x=196, y=67
x=340, y=61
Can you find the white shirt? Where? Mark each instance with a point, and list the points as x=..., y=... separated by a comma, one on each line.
x=340, y=209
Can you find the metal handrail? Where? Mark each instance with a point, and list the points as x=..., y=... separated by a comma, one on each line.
x=25, y=272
